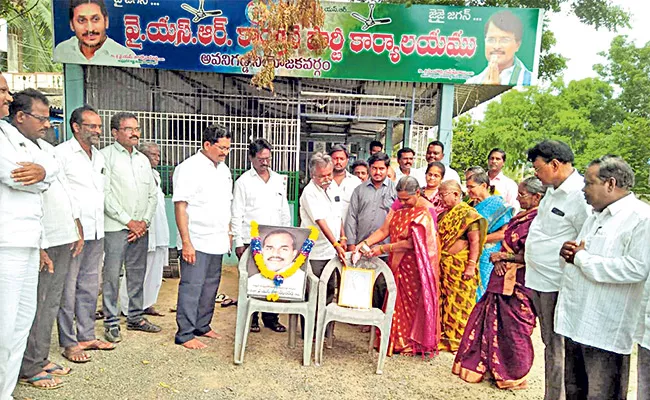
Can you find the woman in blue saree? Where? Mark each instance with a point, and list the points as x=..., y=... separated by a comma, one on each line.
x=497, y=213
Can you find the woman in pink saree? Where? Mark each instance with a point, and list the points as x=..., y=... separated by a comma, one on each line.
x=413, y=259
x=497, y=338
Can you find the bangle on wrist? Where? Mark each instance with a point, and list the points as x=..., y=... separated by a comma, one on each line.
x=336, y=244
x=381, y=248
x=343, y=238
x=473, y=262
x=390, y=248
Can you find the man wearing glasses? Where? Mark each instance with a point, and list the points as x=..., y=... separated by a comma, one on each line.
x=129, y=205
x=84, y=167
x=26, y=173
x=503, y=33
x=260, y=195
x=560, y=217
x=202, y=200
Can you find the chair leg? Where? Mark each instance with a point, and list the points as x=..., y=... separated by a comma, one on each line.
x=329, y=332
x=308, y=341
x=320, y=339
x=240, y=328
x=247, y=328
x=373, y=334
x=292, y=330
x=383, y=349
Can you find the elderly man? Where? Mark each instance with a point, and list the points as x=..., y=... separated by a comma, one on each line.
x=405, y=159
x=562, y=212
x=84, y=168
x=260, y=195
x=130, y=204
x=506, y=187
x=602, y=287
x=344, y=182
x=63, y=241
x=202, y=201
x=25, y=173
x=436, y=152
x=320, y=207
x=369, y=206
x=158, y=251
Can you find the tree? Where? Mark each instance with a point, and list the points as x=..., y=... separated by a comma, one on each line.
x=31, y=22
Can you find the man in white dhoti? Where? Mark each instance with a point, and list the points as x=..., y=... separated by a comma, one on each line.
x=158, y=252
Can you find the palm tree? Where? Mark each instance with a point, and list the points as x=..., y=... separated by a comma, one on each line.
x=31, y=23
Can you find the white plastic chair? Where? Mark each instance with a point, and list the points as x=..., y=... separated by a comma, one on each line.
x=374, y=317
x=246, y=306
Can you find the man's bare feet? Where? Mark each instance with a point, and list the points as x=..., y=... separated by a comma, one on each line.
x=212, y=335
x=194, y=344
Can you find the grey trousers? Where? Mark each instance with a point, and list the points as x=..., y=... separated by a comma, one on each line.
x=595, y=374
x=544, y=303
x=50, y=290
x=133, y=256
x=643, y=374
x=196, y=293
x=79, y=299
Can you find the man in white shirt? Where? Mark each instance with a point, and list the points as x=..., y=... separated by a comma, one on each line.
x=62, y=242
x=436, y=152
x=84, y=168
x=602, y=287
x=503, y=34
x=319, y=207
x=507, y=188
x=202, y=201
x=90, y=44
x=560, y=217
x=405, y=159
x=129, y=206
x=158, y=250
x=642, y=337
x=344, y=182
x=260, y=195
x=25, y=173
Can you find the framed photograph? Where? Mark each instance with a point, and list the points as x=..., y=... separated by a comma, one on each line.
x=280, y=247
x=356, y=287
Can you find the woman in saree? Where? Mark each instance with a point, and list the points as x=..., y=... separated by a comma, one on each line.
x=497, y=338
x=434, y=173
x=497, y=213
x=413, y=260
x=462, y=232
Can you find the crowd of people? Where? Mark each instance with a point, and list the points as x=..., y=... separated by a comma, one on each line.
x=475, y=264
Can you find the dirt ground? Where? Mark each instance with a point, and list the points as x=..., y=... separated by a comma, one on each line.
x=151, y=366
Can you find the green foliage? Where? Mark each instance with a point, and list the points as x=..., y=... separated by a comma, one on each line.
x=590, y=115
x=31, y=20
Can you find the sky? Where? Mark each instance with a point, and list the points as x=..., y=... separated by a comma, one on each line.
x=581, y=43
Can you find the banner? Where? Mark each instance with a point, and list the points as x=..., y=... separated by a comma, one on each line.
x=366, y=41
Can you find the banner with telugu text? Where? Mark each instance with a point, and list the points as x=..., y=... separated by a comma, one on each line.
x=386, y=42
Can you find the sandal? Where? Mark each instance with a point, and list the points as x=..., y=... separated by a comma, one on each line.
x=255, y=326
x=98, y=345
x=76, y=355
x=33, y=382
x=220, y=298
x=229, y=302
x=276, y=327
x=54, y=370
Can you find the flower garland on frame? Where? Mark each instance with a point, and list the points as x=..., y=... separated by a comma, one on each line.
x=278, y=278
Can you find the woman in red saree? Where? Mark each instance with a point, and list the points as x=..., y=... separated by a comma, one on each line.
x=413, y=260
x=497, y=336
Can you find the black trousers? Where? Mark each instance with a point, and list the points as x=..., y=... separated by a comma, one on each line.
x=594, y=374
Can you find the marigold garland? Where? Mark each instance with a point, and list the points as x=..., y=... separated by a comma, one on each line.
x=278, y=278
